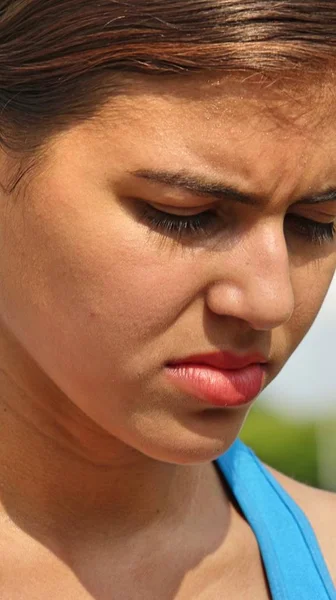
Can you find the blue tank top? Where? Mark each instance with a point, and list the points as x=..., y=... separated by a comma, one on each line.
x=293, y=561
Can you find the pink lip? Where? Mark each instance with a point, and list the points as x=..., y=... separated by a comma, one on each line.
x=222, y=360
x=219, y=379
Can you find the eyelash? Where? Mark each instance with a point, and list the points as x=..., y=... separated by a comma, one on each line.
x=202, y=224
x=314, y=231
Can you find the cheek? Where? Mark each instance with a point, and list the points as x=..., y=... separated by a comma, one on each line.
x=310, y=283
x=88, y=297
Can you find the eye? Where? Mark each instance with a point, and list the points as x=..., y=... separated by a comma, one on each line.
x=314, y=231
x=203, y=223
x=177, y=225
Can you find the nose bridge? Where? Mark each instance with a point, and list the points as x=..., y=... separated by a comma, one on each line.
x=267, y=250
x=259, y=289
x=270, y=287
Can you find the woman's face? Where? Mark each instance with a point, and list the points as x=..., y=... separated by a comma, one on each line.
x=103, y=291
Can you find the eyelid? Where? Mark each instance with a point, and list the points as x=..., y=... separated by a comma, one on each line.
x=182, y=211
x=311, y=212
x=170, y=197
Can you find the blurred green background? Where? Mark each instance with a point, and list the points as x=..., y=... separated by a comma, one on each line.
x=292, y=426
x=304, y=450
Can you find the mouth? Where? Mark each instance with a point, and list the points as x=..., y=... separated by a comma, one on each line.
x=220, y=379
x=223, y=360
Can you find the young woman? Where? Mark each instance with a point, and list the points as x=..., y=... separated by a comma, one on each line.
x=167, y=228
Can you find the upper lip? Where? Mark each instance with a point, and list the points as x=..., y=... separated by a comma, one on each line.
x=222, y=360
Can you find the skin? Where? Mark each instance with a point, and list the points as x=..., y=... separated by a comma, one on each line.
x=104, y=461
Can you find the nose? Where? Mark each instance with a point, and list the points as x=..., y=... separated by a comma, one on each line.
x=255, y=281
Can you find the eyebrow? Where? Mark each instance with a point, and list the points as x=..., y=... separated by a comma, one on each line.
x=328, y=196
x=202, y=186
x=197, y=184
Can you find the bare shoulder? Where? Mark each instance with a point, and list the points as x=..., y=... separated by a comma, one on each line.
x=320, y=508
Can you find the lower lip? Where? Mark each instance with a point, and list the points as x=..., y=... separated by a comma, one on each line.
x=217, y=387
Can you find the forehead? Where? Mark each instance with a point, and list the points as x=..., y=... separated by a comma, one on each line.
x=283, y=102
x=260, y=133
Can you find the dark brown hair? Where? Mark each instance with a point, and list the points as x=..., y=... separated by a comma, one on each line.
x=61, y=59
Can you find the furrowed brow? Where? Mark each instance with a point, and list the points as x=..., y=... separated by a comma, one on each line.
x=202, y=186
x=197, y=185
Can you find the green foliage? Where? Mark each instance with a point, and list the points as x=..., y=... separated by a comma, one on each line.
x=286, y=445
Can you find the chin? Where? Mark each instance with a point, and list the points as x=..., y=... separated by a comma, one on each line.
x=188, y=448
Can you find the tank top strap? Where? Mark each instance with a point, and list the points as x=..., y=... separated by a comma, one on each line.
x=291, y=554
